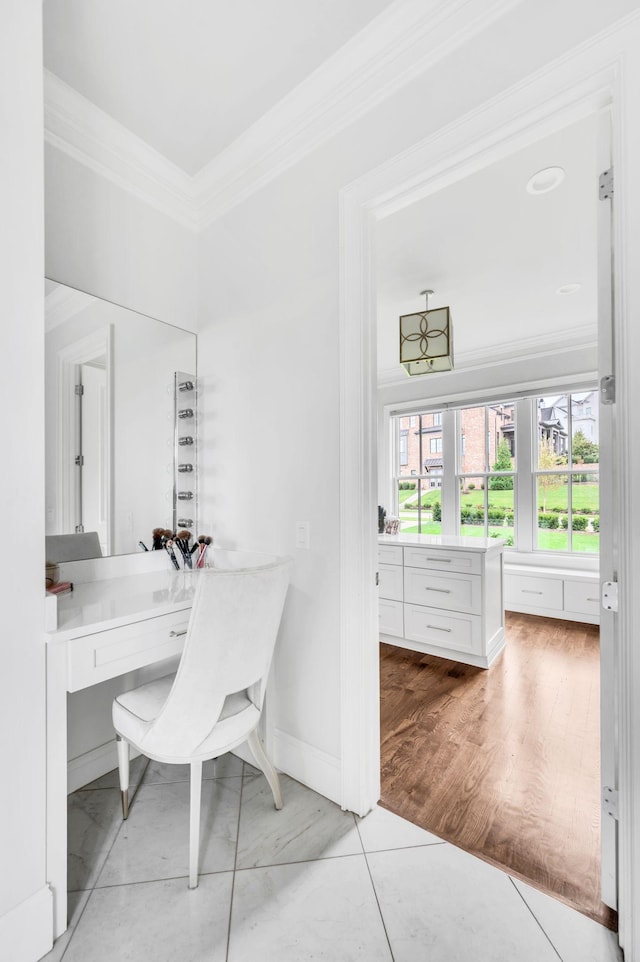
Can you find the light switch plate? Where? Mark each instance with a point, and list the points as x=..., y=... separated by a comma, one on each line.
x=302, y=534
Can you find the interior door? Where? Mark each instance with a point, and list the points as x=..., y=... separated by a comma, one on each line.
x=93, y=429
x=608, y=520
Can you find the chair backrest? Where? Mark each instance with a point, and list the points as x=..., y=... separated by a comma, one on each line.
x=228, y=648
x=72, y=547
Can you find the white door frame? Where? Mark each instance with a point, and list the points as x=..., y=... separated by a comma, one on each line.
x=593, y=76
x=82, y=351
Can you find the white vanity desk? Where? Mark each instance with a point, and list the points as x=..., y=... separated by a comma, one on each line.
x=124, y=613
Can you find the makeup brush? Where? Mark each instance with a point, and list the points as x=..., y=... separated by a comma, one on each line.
x=182, y=541
x=156, y=537
x=168, y=546
x=204, y=542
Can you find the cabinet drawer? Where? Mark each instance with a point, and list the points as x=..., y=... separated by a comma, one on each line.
x=391, y=618
x=106, y=654
x=390, y=554
x=457, y=592
x=582, y=597
x=390, y=578
x=432, y=627
x=443, y=559
x=532, y=592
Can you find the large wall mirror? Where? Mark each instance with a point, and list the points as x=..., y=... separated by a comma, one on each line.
x=109, y=390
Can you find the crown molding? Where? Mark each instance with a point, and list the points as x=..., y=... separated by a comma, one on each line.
x=540, y=346
x=62, y=303
x=408, y=38
x=81, y=130
x=405, y=40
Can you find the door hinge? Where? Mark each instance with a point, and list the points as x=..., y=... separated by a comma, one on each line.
x=605, y=184
x=79, y=460
x=377, y=578
x=80, y=389
x=608, y=389
x=610, y=799
x=610, y=595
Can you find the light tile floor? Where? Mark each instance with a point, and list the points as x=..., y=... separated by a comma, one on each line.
x=307, y=883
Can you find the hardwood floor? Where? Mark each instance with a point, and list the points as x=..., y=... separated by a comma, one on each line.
x=504, y=763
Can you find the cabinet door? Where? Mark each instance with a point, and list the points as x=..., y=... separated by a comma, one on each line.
x=390, y=582
x=391, y=618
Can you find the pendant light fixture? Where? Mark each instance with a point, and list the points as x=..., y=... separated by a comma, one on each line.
x=426, y=340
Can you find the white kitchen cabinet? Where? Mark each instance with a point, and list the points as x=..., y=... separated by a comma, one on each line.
x=555, y=592
x=442, y=596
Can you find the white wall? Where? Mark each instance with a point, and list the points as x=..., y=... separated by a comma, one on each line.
x=103, y=240
x=25, y=903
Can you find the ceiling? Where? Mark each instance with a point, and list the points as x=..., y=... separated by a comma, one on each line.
x=188, y=78
x=497, y=255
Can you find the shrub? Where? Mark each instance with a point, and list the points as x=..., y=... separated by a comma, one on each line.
x=436, y=511
x=595, y=522
x=547, y=520
x=509, y=518
x=564, y=521
x=579, y=522
x=556, y=510
x=496, y=513
x=471, y=487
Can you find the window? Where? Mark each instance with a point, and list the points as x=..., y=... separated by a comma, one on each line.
x=566, y=477
x=546, y=500
x=486, y=470
x=418, y=472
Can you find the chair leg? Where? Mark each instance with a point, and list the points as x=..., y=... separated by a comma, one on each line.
x=123, y=771
x=265, y=765
x=194, y=822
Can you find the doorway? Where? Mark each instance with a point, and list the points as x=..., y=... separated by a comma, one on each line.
x=437, y=162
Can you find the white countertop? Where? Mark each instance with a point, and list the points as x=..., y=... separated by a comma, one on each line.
x=99, y=605
x=443, y=541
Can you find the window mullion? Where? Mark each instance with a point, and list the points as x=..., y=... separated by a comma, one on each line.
x=450, y=494
x=525, y=487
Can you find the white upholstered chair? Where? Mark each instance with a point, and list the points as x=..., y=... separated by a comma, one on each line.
x=214, y=701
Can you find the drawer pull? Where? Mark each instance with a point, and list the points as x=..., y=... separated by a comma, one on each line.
x=175, y=634
x=442, y=591
x=593, y=599
x=437, y=628
x=530, y=591
x=444, y=561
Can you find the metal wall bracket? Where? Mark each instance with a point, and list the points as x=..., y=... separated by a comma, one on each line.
x=608, y=389
x=605, y=184
x=610, y=801
x=610, y=595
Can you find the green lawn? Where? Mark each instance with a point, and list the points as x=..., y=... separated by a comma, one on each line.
x=583, y=496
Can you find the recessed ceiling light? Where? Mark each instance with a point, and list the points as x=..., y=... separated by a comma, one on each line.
x=545, y=180
x=568, y=289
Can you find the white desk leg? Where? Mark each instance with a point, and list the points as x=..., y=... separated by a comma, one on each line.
x=57, y=783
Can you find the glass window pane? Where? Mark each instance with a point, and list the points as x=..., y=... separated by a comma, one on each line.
x=431, y=507
x=585, y=516
x=584, y=428
x=472, y=441
x=472, y=507
x=408, y=504
x=552, y=430
x=500, y=514
x=552, y=525
x=431, y=428
x=408, y=454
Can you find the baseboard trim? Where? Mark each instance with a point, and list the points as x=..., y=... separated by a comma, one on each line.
x=26, y=932
x=93, y=764
x=307, y=764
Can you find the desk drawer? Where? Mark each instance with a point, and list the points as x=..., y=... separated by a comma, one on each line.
x=457, y=592
x=390, y=554
x=458, y=631
x=443, y=559
x=106, y=654
x=529, y=591
x=390, y=579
